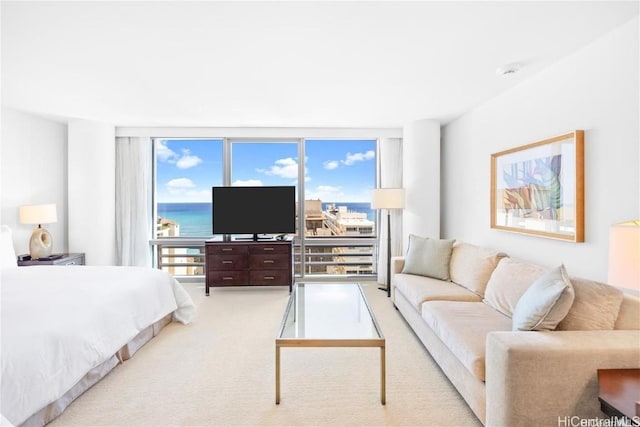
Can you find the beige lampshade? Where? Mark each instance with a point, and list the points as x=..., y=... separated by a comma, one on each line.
x=38, y=214
x=387, y=198
x=624, y=255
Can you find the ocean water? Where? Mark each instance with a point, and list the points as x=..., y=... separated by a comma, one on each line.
x=195, y=218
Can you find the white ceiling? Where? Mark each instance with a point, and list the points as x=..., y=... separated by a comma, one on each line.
x=315, y=64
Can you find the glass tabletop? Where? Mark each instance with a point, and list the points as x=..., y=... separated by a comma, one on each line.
x=329, y=311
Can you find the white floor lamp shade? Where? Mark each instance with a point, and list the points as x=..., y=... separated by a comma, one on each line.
x=41, y=242
x=388, y=198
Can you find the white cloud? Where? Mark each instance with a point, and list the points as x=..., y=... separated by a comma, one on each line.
x=284, y=168
x=350, y=159
x=331, y=164
x=358, y=157
x=180, y=186
x=187, y=160
x=164, y=153
x=247, y=183
x=327, y=193
x=180, y=183
x=327, y=189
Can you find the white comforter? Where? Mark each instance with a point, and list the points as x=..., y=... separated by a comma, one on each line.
x=60, y=322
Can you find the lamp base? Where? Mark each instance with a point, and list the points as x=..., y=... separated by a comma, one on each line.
x=41, y=243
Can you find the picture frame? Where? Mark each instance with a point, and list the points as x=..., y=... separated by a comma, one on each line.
x=538, y=188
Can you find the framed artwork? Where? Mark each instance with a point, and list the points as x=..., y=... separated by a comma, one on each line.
x=538, y=188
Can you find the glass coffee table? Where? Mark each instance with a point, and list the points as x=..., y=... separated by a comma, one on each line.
x=329, y=315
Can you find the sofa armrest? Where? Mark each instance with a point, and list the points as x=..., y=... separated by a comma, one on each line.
x=549, y=378
x=397, y=264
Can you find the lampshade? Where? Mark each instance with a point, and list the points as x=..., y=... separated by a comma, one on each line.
x=38, y=214
x=387, y=198
x=624, y=255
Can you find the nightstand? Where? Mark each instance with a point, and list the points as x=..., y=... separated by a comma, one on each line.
x=65, y=259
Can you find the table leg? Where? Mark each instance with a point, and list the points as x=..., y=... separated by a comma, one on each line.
x=383, y=391
x=277, y=374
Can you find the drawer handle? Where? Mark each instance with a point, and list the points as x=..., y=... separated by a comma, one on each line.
x=227, y=262
x=227, y=249
x=267, y=249
x=268, y=261
x=227, y=278
x=269, y=278
x=71, y=263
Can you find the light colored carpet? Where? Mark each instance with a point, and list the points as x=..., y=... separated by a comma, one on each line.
x=220, y=370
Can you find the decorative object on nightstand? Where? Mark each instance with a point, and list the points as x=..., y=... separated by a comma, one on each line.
x=41, y=242
x=388, y=198
x=624, y=256
x=57, y=259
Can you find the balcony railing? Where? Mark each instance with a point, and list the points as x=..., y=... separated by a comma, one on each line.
x=314, y=258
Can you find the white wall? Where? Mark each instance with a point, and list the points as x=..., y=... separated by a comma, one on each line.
x=595, y=89
x=421, y=179
x=34, y=171
x=92, y=191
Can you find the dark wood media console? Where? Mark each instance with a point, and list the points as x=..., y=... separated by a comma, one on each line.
x=248, y=263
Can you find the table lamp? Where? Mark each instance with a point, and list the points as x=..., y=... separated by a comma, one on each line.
x=41, y=242
x=388, y=198
x=624, y=256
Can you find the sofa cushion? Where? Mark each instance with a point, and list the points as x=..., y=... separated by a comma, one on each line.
x=510, y=279
x=428, y=257
x=418, y=289
x=545, y=303
x=596, y=307
x=463, y=328
x=471, y=266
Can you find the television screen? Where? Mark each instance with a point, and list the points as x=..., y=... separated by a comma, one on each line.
x=254, y=210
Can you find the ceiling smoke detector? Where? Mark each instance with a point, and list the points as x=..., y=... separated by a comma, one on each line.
x=508, y=69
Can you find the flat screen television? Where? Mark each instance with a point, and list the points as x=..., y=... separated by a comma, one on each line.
x=254, y=210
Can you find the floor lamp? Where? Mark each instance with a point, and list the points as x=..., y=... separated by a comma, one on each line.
x=388, y=198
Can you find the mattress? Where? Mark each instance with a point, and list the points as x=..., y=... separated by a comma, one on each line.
x=62, y=325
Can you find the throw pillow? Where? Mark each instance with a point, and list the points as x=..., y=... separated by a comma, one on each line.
x=547, y=301
x=596, y=307
x=509, y=281
x=428, y=257
x=7, y=253
x=471, y=266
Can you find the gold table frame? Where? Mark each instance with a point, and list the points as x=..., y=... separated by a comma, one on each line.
x=332, y=342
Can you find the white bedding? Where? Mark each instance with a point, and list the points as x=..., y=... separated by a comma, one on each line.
x=60, y=322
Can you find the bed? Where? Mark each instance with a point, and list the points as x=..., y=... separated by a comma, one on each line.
x=65, y=328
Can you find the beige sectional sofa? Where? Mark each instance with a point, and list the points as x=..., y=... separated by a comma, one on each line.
x=511, y=377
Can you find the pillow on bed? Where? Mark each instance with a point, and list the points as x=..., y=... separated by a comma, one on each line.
x=7, y=253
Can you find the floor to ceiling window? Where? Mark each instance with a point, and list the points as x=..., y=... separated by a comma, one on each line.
x=185, y=171
x=339, y=177
x=333, y=191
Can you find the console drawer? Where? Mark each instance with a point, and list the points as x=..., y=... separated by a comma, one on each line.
x=266, y=248
x=227, y=249
x=268, y=261
x=269, y=277
x=221, y=277
x=227, y=262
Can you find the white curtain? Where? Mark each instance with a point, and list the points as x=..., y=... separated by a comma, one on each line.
x=133, y=201
x=390, y=154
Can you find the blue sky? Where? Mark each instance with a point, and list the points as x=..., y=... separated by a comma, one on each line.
x=336, y=170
